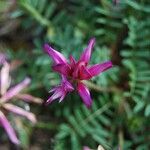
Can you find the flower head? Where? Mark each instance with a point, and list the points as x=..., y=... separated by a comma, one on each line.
x=76, y=71
x=6, y=96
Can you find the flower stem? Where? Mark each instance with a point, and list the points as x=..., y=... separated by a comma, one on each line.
x=48, y=126
x=95, y=87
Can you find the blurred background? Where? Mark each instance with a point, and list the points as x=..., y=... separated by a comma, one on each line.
x=120, y=114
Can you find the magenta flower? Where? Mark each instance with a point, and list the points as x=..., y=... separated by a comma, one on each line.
x=6, y=96
x=74, y=72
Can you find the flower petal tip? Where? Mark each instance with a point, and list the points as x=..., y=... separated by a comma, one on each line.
x=54, y=54
x=84, y=94
x=110, y=63
x=32, y=118
x=85, y=56
x=47, y=103
x=15, y=141
x=93, y=40
x=46, y=47
x=27, y=80
x=88, y=106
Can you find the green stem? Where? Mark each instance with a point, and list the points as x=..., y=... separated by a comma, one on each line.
x=97, y=113
x=35, y=13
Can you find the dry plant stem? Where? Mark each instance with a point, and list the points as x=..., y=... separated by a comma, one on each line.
x=95, y=87
x=120, y=136
x=47, y=126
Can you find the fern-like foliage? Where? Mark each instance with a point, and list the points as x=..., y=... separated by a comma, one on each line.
x=120, y=114
x=137, y=60
x=85, y=126
x=45, y=14
x=108, y=21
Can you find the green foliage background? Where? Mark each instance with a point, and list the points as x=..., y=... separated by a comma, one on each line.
x=120, y=114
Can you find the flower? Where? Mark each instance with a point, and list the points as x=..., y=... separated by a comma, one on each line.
x=86, y=148
x=75, y=72
x=6, y=96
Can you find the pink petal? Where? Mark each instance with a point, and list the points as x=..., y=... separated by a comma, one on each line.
x=86, y=148
x=84, y=73
x=72, y=61
x=62, y=98
x=85, y=94
x=61, y=90
x=66, y=85
x=29, y=98
x=64, y=79
x=56, y=56
x=58, y=92
x=75, y=73
x=77, y=69
x=98, y=68
x=53, y=89
x=4, y=78
x=15, y=90
x=87, y=52
x=8, y=128
x=2, y=58
x=20, y=111
x=62, y=69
